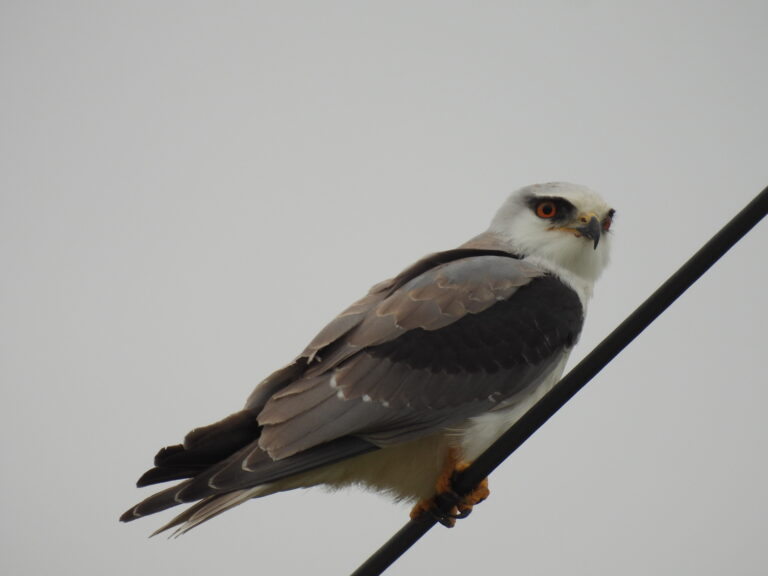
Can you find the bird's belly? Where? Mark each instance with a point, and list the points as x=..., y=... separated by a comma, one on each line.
x=406, y=471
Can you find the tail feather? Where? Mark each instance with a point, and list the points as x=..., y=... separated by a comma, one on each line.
x=156, y=503
x=209, y=508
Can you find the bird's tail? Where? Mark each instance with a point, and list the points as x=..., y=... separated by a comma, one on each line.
x=222, y=465
x=211, y=507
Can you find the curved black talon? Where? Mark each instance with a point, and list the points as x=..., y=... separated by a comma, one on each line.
x=462, y=514
x=447, y=519
x=448, y=501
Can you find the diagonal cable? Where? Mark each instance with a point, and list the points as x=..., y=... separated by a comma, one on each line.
x=578, y=377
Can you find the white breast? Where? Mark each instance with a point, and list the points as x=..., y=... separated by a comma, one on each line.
x=482, y=431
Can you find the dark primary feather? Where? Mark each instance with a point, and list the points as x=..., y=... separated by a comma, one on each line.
x=447, y=339
x=210, y=445
x=202, y=448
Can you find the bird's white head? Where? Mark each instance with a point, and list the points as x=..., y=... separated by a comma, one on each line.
x=564, y=226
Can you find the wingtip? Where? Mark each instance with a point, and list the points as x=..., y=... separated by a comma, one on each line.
x=160, y=475
x=129, y=515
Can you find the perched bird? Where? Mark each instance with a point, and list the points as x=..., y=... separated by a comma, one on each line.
x=415, y=379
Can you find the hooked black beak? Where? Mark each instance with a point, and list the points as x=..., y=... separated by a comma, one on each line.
x=591, y=230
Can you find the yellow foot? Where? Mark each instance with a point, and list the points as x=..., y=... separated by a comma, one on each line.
x=461, y=504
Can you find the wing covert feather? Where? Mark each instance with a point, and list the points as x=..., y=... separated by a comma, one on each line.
x=444, y=346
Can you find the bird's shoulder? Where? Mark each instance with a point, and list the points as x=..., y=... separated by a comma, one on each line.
x=430, y=295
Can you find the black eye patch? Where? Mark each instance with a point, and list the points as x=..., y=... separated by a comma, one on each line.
x=564, y=209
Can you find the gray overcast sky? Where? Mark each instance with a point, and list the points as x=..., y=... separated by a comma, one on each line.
x=189, y=190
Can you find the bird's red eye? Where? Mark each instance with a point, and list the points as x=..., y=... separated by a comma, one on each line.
x=546, y=209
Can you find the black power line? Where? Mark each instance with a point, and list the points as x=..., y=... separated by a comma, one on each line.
x=577, y=378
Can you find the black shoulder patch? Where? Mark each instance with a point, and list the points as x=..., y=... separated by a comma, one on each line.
x=541, y=319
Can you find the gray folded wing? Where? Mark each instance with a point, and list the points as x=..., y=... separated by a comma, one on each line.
x=449, y=338
x=408, y=359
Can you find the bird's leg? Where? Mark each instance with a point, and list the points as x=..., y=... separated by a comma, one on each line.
x=446, y=498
